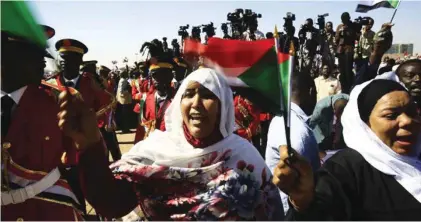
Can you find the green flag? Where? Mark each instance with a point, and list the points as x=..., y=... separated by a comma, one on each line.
x=17, y=19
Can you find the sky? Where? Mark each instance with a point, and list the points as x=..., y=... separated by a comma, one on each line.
x=113, y=30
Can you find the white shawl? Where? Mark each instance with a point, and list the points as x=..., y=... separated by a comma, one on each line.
x=230, y=171
x=358, y=136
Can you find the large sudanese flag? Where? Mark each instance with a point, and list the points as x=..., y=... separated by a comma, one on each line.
x=254, y=64
x=367, y=5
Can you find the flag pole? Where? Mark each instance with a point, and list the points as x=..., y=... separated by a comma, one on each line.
x=285, y=110
x=394, y=13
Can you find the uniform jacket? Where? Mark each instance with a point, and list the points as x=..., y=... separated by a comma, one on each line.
x=139, y=88
x=95, y=97
x=35, y=145
x=153, y=117
x=247, y=118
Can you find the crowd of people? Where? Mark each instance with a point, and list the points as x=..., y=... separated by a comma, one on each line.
x=206, y=150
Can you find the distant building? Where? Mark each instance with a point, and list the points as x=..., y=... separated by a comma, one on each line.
x=404, y=49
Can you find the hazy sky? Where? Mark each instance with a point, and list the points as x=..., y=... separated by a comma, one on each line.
x=113, y=30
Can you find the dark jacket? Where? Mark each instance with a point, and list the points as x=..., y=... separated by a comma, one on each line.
x=349, y=188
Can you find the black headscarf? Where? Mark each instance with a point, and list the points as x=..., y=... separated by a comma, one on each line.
x=372, y=93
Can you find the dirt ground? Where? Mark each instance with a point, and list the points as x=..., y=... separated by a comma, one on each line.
x=126, y=142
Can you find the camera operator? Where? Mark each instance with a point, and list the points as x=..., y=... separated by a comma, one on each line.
x=249, y=21
x=329, y=49
x=285, y=41
x=309, y=40
x=252, y=34
x=346, y=34
x=236, y=21
x=365, y=45
x=209, y=30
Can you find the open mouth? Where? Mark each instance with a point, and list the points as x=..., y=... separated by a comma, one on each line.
x=405, y=140
x=197, y=118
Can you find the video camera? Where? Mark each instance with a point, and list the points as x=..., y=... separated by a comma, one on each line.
x=321, y=21
x=236, y=16
x=250, y=19
x=195, y=33
x=360, y=21
x=236, y=20
x=209, y=29
x=288, y=24
x=183, y=31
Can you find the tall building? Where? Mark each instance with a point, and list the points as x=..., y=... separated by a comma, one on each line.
x=401, y=49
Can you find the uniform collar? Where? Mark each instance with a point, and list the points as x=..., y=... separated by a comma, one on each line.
x=15, y=95
x=72, y=80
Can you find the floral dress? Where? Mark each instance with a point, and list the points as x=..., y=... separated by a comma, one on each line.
x=214, y=186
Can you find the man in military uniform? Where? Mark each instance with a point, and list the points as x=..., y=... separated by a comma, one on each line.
x=107, y=81
x=71, y=53
x=108, y=129
x=157, y=101
x=140, y=88
x=247, y=116
x=33, y=187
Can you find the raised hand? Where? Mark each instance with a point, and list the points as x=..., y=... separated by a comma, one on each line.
x=295, y=179
x=77, y=121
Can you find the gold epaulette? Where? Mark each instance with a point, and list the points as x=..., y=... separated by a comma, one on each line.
x=56, y=90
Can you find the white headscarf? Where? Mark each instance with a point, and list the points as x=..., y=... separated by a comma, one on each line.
x=358, y=136
x=218, y=86
x=227, y=171
x=171, y=145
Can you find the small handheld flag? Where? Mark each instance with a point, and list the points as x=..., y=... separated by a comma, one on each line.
x=367, y=5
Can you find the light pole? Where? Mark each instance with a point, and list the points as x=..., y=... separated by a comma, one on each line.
x=136, y=55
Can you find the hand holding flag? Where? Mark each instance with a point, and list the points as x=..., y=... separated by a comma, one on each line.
x=254, y=64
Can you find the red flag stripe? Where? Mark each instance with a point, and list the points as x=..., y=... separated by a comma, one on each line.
x=230, y=53
x=282, y=57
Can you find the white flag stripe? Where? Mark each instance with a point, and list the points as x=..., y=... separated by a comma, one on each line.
x=234, y=81
x=232, y=72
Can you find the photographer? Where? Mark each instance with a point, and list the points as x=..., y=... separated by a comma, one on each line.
x=346, y=34
x=309, y=40
x=329, y=49
x=365, y=45
x=285, y=41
